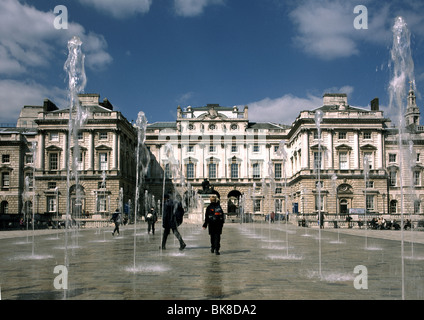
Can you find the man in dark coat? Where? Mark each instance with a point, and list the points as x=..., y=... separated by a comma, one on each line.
x=214, y=219
x=169, y=220
x=116, y=218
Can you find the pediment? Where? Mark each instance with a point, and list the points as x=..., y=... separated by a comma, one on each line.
x=343, y=147
x=103, y=147
x=53, y=148
x=368, y=147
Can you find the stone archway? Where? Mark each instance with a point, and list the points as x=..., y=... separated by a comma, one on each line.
x=77, y=198
x=233, y=202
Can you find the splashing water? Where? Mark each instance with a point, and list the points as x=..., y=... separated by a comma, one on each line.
x=403, y=72
x=141, y=125
x=74, y=66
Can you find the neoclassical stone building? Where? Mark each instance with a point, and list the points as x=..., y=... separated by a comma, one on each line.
x=274, y=167
x=39, y=146
x=351, y=163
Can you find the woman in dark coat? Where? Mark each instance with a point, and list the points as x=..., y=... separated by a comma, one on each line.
x=214, y=219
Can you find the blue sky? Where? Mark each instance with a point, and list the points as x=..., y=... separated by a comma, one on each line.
x=277, y=57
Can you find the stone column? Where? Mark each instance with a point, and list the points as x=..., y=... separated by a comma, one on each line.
x=91, y=150
x=355, y=150
x=42, y=150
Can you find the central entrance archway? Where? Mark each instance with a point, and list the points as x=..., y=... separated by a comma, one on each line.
x=233, y=202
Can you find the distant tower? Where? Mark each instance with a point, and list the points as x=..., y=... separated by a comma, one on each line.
x=412, y=115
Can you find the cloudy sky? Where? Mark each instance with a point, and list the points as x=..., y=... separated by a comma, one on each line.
x=278, y=57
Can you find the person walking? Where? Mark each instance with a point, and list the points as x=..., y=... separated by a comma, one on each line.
x=151, y=218
x=172, y=210
x=116, y=218
x=214, y=220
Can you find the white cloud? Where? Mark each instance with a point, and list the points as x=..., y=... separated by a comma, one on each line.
x=28, y=39
x=283, y=110
x=183, y=98
x=325, y=28
x=191, y=8
x=120, y=9
x=15, y=94
x=345, y=89
x=29, y=46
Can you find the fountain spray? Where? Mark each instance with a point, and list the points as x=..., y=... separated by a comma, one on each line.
x=318, y=120
x=403, y=72
x=141, y=125
x=74, y=66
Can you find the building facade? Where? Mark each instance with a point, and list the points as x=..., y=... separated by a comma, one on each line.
x=39, y=148
x=349, y=161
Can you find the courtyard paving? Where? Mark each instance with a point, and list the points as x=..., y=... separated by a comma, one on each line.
x=259, y=261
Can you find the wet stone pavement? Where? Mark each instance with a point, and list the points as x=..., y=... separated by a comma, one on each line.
x=257, y=262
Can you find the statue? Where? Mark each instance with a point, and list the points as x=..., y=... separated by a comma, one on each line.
x=206, y=187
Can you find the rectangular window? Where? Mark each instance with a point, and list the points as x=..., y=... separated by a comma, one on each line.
x=234, y=170
x=278, y=190
x=257, y=205
x=392, y=157
x=5, y=158
x=190, y=170
x=102, y=135
x=80, y=161
x=370, y=203
x=29, y=177
x=256, y=170
x=393, y=178
x=28, y=159
x=212, y=149
x=54, y=136
x=5, y=179
x=51, y=185
x=343, y=163
x=103, y=161
x=317, y=160
x=319, y=202
x=101, y=203
x=277, y=171
x=278, y=205
x=256, y=148
x=51, y=204
x=418, y=157
x=417, y=207
x=212, y=170
x=417, y=178
x=53, y=161
x=190, y=149
x=367, y=135
x=233, y=149
x=370, y=184
x=368, y=155
x=342, y=135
